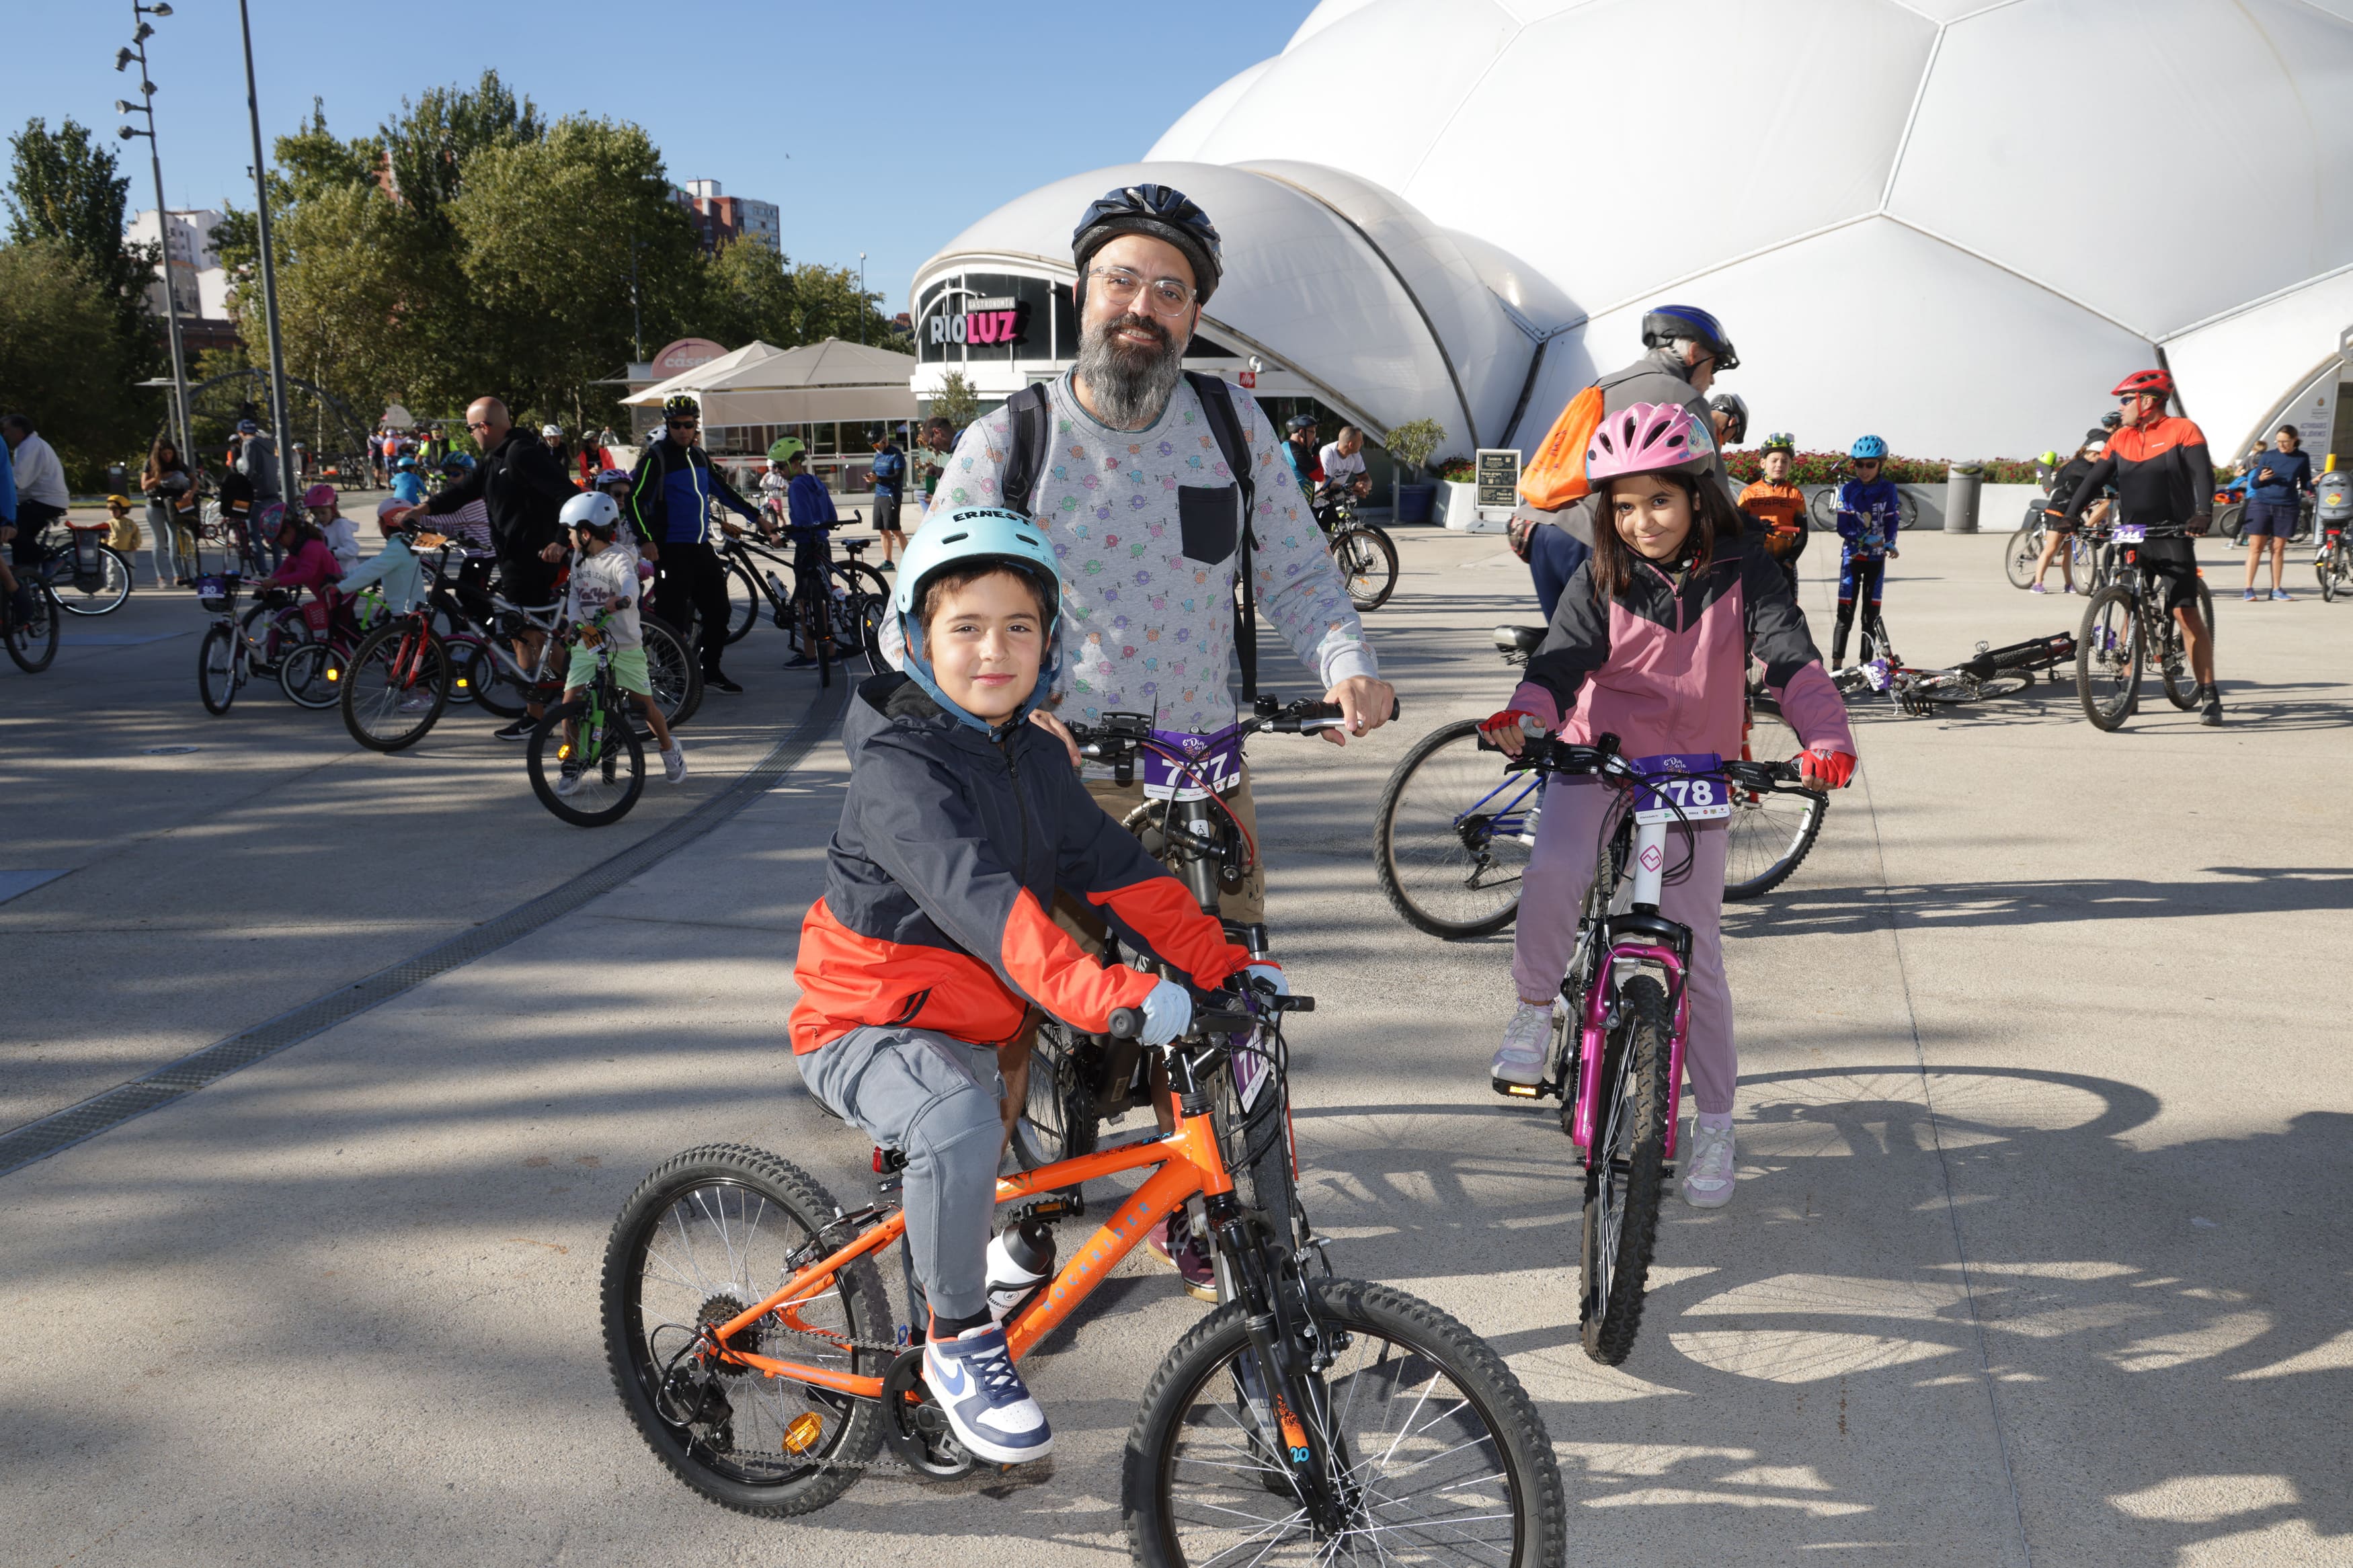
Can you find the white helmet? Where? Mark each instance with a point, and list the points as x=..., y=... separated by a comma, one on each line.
x=551, y=432
x=594, y=510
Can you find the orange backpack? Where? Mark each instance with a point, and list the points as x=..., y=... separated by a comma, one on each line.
x=1557, y=475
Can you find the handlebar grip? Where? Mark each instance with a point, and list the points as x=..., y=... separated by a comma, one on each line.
x=1126, y=1024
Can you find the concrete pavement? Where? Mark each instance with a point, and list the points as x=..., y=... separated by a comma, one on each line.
x=2037, y=1254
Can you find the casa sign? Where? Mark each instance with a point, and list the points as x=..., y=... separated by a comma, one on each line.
x=1003, y=320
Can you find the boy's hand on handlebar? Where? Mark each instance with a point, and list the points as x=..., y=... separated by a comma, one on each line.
x=1060, y=730
x=1366, y=703
x=1167, y=1013
x=1269, y=973
x=1509, y=730
x=1823, y=768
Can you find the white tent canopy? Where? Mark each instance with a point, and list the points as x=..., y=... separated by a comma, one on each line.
x=760, y=384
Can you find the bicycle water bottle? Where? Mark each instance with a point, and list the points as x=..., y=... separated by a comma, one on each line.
x=1020, y=1261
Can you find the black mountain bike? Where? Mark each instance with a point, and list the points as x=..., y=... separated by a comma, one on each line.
x=32, y=639
x=1365, y=554
x=2127, y=628
x=757, y=571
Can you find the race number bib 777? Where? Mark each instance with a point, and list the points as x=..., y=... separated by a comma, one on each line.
x=1681, y=787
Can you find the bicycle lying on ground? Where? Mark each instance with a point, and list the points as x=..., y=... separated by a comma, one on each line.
x=1994, y=672
x=2124, y=628
x=1305, y=1419
x=1456, y=820
x=1616, y=1059
x=1365, y=553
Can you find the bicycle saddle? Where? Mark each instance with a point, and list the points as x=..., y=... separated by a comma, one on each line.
x=1519, y=639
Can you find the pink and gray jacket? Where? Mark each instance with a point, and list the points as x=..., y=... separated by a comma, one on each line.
x=1663, y=665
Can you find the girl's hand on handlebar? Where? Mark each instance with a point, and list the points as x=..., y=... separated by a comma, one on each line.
x=1823, y=768
x=1060, y=730
x=1509, y=730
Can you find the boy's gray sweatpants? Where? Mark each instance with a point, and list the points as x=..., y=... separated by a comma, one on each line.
x=935, y=1100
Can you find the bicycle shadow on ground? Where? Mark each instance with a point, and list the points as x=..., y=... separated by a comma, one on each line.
x=1800, y=910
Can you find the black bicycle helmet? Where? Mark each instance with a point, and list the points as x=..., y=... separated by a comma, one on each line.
x=1164, y=213
x=1665, y=324
x=1299, y=422
x=679, y=403
x=1735, y=409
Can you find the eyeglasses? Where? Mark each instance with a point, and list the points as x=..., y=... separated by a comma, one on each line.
x=683, y=423
x=1163, y=296
x=478, y=424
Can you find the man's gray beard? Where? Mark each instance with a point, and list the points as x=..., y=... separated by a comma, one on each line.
x=1129, y=389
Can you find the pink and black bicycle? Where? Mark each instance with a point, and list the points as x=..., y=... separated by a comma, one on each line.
x=1617, y=1056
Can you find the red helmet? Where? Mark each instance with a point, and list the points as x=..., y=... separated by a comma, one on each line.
x=2152, y=382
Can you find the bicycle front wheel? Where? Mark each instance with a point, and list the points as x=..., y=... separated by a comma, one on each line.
x=1367, y=560
x=219, y=669
x=1770, y=831
x=2108, y=657
x=312, y=676
x=396, y=686
x=33, y=638
x=1255, y=1142
x=592, y=776
x=708, y=1233
x=2025, y=549
x=743, y=601
x=1624, y=1172
x=1451, y=835
x=1431, y=1445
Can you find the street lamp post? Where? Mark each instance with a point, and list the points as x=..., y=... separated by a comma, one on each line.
x=861, y=297
x=268, y=273
x=181, y=433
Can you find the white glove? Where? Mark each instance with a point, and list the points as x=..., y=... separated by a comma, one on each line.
x=1270, y=972
x=1167, y=1013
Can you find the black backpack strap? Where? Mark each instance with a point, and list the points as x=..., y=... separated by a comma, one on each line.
x=1027, y=414
x=1218, y=408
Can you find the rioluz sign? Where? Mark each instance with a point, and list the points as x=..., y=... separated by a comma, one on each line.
x=982, y=322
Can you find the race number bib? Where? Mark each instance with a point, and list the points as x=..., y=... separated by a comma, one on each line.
x=2131, y=533
x=1683, y=788
x=1211, y=764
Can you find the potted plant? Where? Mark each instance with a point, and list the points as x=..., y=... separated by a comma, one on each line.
x=1411, y=445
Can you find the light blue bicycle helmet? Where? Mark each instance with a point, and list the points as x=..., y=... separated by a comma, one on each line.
x=1867, y=447
x=971, y=536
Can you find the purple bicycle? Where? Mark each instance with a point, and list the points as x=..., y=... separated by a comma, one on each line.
x=1616, y=1055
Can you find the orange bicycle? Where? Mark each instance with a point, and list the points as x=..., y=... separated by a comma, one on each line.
x=1305, y=1419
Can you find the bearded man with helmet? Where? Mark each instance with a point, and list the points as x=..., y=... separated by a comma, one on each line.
x=2164, y=482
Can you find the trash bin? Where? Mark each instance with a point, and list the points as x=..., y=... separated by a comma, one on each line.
x=1961, y=481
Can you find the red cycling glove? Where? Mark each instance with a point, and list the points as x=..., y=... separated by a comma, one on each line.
x=1507, y=721
x=1825, y=768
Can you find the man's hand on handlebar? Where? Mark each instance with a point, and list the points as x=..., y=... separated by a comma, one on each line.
x=1365, y=702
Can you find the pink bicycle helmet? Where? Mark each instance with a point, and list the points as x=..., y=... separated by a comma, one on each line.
x=319, y=495
x=1644, y=439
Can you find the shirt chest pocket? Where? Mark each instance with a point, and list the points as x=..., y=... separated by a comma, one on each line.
x=1209, y=518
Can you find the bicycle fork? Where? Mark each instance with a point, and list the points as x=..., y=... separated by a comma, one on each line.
x=1642, y=935
x=1288, y=1401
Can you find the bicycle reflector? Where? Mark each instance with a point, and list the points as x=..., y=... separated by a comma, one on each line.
x=803, y=1433
x=334, y=675
x=564, y=753
x=1521, y=1090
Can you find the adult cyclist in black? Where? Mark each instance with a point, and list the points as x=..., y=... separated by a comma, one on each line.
x=2164, y=482
x=669, y=506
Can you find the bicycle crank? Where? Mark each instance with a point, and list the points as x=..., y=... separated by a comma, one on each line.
x=915, y=1428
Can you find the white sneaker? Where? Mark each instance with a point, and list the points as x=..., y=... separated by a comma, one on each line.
x=1527, y=1039
x=674, y=762
x=568, y=782
x=1707, y=1168
x=987, y=1406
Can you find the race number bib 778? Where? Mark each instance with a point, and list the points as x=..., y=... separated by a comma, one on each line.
x=1681, y=787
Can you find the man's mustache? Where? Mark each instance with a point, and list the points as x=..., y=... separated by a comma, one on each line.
x=1133, y=322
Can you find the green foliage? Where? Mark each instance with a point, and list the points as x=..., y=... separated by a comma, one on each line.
x=61, y=358
x=64, y=186
x=1412, y=443
x=955, y=401
x=1829, y=467
x=751, y=292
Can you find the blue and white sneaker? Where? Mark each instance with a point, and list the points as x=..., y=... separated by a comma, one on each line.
x=987, y=1406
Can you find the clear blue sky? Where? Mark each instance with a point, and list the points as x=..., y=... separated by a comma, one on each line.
x=886, y=139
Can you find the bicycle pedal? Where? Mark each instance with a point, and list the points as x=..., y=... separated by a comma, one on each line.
x=1066, y=1203
x=1509, y=1090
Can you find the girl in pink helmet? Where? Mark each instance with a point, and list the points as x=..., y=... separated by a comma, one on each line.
x=1651, y=643
x=327, y=517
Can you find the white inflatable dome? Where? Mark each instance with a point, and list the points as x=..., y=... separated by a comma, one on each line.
x=1952, y=223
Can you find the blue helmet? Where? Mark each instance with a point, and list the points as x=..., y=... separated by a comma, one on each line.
x=406, y=465
x=1867, y=449
x=1665, y=324
x=971, y=536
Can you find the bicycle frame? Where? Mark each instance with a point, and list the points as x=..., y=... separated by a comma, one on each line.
x=1649, y=861
x=1189, y=1164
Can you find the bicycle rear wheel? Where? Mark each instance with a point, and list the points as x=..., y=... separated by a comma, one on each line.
x=2108, y=657
x=671, y=671
x=2170, y=654
x=219, y=670
x=396, y=686
x=310, y=675
x=611, y=766
x=1451, y=835
x=1770, y=831
x=1624, y=1172
x=33, y=638
x=1367, y=560
x=1058, y=1118
x=743, y=601
x=707, y=1233
x=102, y=591
x=2025, y=549
x=1431, y=1442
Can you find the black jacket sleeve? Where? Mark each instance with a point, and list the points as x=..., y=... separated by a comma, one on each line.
x=1576, y=644
x=2197, y=478
x=541, y=492
x=2101, y=475
x=1775, y=627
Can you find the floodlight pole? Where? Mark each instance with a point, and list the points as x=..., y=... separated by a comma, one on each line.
x=180, y=431
x=269, y=274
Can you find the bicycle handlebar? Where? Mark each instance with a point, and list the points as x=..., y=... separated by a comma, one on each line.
x=1605, y=759
x=1121, y=733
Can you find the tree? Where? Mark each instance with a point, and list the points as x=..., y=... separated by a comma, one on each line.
x=67, y=188
x=753, y=291
x=60, y=357
x=955, y=401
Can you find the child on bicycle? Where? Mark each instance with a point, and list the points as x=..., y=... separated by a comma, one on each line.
x=934, y=938
x=1869, y=510
x=1651, y=643
x=1779, y=505
x=809, y=512
x=343, y=538
x=602, y=604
